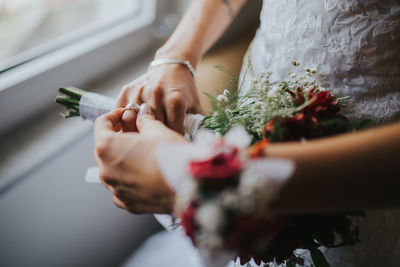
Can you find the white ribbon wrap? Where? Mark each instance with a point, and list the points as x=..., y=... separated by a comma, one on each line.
x=94, y=105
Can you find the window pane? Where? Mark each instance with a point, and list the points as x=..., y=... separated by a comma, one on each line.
x=34, y=25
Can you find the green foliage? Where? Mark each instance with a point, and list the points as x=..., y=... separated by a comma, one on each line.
x=70, y=99
x=253, y=109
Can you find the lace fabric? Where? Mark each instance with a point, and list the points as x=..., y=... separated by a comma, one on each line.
x=354, y=46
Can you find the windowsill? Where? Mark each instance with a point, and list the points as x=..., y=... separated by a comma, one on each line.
x=32, y=84
x=29, y=146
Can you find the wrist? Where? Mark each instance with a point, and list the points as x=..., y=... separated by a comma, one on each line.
x=190, y=56
x=163, y=61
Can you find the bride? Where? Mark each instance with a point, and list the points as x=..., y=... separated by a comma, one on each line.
x=355, y=48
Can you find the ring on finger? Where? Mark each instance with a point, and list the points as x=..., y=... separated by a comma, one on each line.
x=132, y=106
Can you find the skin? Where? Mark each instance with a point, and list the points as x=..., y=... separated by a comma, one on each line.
x=125, y=169
x=170, y=89
x=361, y=166
x=348, y=172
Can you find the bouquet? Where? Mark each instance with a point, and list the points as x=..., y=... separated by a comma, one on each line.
x=225, y=211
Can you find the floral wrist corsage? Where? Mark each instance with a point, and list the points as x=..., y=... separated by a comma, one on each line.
x=223, y=195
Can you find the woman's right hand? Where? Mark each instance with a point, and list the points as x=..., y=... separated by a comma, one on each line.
x=169, y=89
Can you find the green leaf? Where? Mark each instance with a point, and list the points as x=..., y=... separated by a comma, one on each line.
x=64, y=100
x=318, y=258
x=73, y=92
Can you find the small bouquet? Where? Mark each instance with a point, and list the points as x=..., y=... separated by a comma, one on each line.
x=226, y=208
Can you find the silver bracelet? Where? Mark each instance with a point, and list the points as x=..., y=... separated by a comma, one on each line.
x=162, y=61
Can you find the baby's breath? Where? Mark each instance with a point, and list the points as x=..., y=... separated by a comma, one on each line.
x=263, y=101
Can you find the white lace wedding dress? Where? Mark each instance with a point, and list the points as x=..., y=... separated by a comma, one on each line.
x=354, y=45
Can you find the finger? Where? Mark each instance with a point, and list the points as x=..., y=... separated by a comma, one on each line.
x=119, y=203
x=141, y=207
x=194, y=110
x=154, y=98
x=107, y=185
x=106, y=139
x=122, y=99
x=158, y=106
x=128, y=121
x=146, y=118
x=148, y=208
x=138, y=195
x=176, y=109
x=108, y=122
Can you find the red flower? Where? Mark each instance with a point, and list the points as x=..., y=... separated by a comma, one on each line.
x=218, y=171
x=298, y=97
x=322, y=102
x=319, y=118
x=188, y=223
x=248, y=235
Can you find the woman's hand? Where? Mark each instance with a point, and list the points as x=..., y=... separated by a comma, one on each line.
x=169, y=89
x=127, y=162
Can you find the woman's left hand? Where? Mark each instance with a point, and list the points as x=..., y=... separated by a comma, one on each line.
x=127, y=161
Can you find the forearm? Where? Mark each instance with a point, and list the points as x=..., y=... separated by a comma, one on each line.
x=349, y=172
x=203, y=23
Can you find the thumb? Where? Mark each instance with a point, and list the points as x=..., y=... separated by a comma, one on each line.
x=145, y=118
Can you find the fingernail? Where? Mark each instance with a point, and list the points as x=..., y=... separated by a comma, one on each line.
x=145, y=109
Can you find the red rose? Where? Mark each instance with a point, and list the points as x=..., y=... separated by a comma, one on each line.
x=218, y=171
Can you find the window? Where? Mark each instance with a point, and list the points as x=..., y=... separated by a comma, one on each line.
x=45, y=44
x=31, y=28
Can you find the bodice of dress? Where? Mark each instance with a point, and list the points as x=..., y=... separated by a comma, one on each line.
x=354, y=45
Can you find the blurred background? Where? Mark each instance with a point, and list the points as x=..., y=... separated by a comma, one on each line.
x=48, y=215
x=29, y=26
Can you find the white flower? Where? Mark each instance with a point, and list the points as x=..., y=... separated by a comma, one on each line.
x=274, y=91
x=222, y=98
x=230, y=199
x=209, y=216
x=226, y=92
x=211, y=242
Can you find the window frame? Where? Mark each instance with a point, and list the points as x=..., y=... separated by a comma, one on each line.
x=28, y=89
